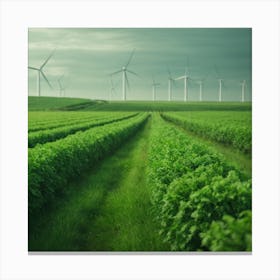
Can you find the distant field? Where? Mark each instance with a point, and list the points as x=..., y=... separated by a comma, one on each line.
x=53, y=103
x=76, y=104
x=168, y=106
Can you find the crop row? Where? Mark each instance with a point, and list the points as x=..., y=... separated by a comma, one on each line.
x=49, y=135
x=53, y=165
x=198, y=197
x=43, y=117
x=59, y=123
x=47, y=120
x=227, y=128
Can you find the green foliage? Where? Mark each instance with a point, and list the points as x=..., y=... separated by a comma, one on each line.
x=42, y=120
x=230, y=128
x=230, y=234
x=105, y=211
x=49, y=135
x=201, y=201
x=52, y=165
x=192, y=187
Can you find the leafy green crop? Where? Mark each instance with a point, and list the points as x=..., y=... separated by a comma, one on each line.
x=230, y=128
x=192, y=187
x=49, y=135
x=52, y=165
x=230, y=234
x=48, y=120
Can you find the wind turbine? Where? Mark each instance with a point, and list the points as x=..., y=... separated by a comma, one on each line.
x=185, y=77
x=200, y=83
x=243, y=85
x=170, y=83
x=112, y=88
x=124, y=71
x=154, y=85
x=40, y=72
x=221, y=83
x=61, y=87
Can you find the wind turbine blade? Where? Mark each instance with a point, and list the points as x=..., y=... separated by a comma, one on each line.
x=113, y=87
x=127, y=82
x=61, y=77
x=132, y=72
x=169, y=73
x=46, y=61
x=187, y=65
x=205, y=77
x=116, y=72
x=44, y=76
x=60, y=86
x=180, y=78
x=33, y=68
x=129, y=60
x=217, y=71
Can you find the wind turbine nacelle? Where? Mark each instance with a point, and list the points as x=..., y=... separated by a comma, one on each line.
x=123, y=68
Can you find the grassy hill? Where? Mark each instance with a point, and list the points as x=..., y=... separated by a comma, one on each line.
x=41, y=103
x=79, y=104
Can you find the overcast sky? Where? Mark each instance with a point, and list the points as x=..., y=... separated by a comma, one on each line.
x=86, y=57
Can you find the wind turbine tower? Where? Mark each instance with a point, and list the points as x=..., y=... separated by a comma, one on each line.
x=220, y=89
x=40, y=72
x=243, y=85
x=201, y=83
x=170, y=83
x=221, y=83
x=154, y=85
x=124, y=70
x=61, y=87
x=185, y=78
x=112, y=88
x=200, y=90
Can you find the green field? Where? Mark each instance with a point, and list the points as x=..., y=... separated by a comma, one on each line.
x=73, y=104
x=139, y=176
x=53, y=103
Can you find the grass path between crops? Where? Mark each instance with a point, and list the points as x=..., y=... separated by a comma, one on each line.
x=109, y=210
x=126, y=221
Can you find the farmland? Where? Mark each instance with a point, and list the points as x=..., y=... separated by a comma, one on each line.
x=139, y=176
x=52, y=103
x=73, y=104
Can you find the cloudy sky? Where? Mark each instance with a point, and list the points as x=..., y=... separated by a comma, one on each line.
x=87, y=57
